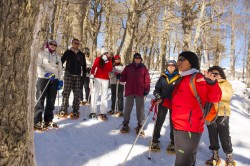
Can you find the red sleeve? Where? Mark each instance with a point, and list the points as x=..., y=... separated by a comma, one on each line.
x=214, y=92
x=147, y=80
x=96, y=62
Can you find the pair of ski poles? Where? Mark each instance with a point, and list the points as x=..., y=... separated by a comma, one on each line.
x=150, y=110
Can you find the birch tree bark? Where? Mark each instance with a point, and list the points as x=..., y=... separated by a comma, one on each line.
x=232, y=48
x=248, y=62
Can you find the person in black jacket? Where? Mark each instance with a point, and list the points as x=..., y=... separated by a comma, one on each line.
x=75, y=68
x=163, y=94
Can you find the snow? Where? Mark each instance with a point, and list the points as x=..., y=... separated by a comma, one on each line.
x=100, y=143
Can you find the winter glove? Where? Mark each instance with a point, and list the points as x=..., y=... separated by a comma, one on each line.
x=118, y=76
x=105, y=58
x=157, y=96
x=50, y=76
x=60, y=84
x=145, y=93
x=88, y=69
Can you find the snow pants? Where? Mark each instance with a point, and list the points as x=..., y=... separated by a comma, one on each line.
x=162, y=112
x=71, y=82
x=220, y=131
x=120, y=97
x=100, y=84
x=129, y=103
x=186, y=145
x=50, y=95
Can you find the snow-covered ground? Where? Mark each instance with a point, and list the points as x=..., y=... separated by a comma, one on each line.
x=98, y=143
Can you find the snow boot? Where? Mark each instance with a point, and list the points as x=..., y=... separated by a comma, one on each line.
x=92, y=116
x=119, y=114
x=155, y=146
x=103, y=117
x=229, y=160
x=137, y=130
x=170, y=149
x=125, y=128
x=39, y=126
x=75, y=114
x=111, y=112
x=51, y=125
x=214, y=160
x=63, y=113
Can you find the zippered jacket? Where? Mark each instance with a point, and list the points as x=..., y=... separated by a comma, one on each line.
x=186, y=112
x=75, y=62
x=101, y=72
x=137, y=79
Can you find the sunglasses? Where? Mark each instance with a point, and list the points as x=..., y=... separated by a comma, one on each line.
x=137, y=57
x=172, y=65
x=215, y=73
x=117, y=59
x=181, y=59
x=76, y=43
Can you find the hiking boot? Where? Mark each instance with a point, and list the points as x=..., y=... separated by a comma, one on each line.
x=170, y=149
x=125, y=128
x=111, y=112
x=229, y=160
x=137, y=129
x=75, y=114
x=51, y=124
x=119, y=114
x=103, y=117
x=63, y=113
x=155, y=146
x=214, y=160
x=92, y=116
x=38, y=126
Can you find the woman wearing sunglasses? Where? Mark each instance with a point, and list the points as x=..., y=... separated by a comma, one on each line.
x=187, y=116
x=220, y=128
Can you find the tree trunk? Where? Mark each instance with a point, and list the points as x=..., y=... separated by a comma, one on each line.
x=16, y=128
x=248, y=62
x=232, y=48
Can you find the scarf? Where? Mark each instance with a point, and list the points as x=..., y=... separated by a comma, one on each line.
x=189, y=72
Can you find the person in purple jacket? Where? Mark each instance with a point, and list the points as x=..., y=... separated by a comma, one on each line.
x=137, y=87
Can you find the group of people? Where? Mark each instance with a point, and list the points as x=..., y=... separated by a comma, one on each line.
x=172, y=94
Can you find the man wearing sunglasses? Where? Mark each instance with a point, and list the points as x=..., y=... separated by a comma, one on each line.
x=75, y=68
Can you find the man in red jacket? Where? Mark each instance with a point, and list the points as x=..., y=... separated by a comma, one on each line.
x=137, y=86
x=187, y=115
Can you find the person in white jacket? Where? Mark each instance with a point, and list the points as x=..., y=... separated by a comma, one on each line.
x=114, y=82
x=49, y=71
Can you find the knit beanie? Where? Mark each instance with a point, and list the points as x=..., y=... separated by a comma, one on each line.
x=192, y=59
x=137, y=55
x=173, y=62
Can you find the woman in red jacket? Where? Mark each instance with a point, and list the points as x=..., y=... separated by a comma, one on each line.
x=187, y=115
x=100, y=71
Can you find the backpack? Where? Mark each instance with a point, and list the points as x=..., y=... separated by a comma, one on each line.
x=210, y=110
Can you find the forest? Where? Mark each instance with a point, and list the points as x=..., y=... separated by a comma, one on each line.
x=158, y=29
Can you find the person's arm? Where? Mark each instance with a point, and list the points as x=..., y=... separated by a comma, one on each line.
x=124, y=75
x=64, y=57
x=227, y=91
x=84, y=71
x=147, y=81
x=158, y=89
x=94, y=66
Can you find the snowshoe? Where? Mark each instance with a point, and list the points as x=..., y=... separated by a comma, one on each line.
x=229, y=160
x=103, y=117
x=137, y=130
x=75, y=115
x=214, y=160
x=92, y=116
x=51, y=125
x=119, y=114
x=155, y=146
x=170, y=149
x=125, y=128
x=39, y=126
x=111, y=112
x=63, y=113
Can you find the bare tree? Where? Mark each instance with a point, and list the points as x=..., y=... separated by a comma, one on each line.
x=248, y=62
x=232, y=48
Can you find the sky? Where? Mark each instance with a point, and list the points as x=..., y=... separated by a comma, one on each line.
x=100, y=143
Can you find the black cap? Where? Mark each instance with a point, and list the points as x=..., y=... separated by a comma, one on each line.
x=192, y=59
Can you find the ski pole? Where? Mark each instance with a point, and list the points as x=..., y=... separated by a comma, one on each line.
x=151, y=108
x=154, y=119
x=42, y=92
x=116, y=95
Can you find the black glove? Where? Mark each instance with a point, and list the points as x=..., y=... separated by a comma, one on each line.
x=88, y=70
x=118, y=76
x=145, y=93
x=157, y=96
